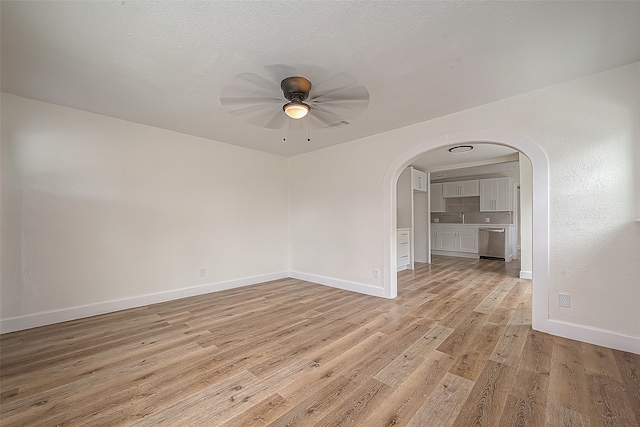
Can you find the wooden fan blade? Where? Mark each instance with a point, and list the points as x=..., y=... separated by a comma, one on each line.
x=333, y=84
x=231, y=101
x=325, y=117
x=275, y=121
x=252, y=109
x=349, y=110
x=316, y=123
x=260, y=82
x=352, y=93
x=336, y=112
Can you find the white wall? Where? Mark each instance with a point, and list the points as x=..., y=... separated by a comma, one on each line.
x=333, y=204
x=420, y=225
x=404, y=203
x=97, y=210
x=589, y=131
x=526, y=217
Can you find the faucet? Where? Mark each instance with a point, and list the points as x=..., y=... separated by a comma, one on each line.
x=462, y=216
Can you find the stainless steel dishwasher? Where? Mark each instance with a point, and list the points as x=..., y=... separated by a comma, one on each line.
x=492, y=243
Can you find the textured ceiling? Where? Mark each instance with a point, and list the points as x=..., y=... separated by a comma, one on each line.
x=164, y=63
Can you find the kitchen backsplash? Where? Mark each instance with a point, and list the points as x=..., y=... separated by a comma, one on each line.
x=472, y=215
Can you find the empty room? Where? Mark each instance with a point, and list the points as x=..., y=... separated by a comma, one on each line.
x=312, y=213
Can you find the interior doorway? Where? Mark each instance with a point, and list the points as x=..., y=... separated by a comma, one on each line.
x=445, y=216
x=540, y=220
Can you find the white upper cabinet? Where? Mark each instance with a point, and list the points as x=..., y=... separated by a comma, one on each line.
x=496, y=194
x=435, y=195
x=461, y=188
x=419, y=180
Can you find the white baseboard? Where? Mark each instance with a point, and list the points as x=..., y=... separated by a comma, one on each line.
x=361, y=288
x=457, y=254
x=63, y=315
x=560, y=328
x=526, y=274
x=596, y=336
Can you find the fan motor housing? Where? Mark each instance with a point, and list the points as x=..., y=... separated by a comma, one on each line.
x=296, y=88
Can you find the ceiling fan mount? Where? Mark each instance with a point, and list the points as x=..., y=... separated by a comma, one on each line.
x=296, y=88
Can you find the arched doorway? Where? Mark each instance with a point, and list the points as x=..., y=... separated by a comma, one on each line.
x=524, y=144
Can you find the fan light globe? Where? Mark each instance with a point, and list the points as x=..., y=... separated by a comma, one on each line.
x=296, y=110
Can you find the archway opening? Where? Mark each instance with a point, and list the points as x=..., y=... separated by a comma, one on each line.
x=540, y=202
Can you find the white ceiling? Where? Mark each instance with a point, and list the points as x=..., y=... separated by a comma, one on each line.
x=164, y=63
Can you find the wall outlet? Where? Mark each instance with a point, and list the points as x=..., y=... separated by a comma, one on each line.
x=376, y=273
x=487, y=220
x=436, y=219
x=203, y=272
x=564, y=300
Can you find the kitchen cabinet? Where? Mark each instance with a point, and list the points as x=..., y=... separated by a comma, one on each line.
x=435, y=195
x=419, y=180
x=447, y=238
x=403, y=248
x=454, y=238
x=468, y=239
x=461, y=188
x=496, y=194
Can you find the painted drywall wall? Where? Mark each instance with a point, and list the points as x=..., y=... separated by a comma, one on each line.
x=526, y=217
x=420, y=225
x=404, y=203
x=97, y=209
x=589, y=131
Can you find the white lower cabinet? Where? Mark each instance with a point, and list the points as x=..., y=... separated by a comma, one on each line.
x=468, y=239
x=447, y=238
x=462, y=240
x=454, y=238
x=404, y=248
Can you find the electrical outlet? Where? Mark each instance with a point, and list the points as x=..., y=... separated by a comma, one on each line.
x=203, y=272
x=564, y=300
x=376, y=273
x=436, y=219
x=487, y=220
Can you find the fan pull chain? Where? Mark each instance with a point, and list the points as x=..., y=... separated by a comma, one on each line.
x=284, y=130
x=307, y=120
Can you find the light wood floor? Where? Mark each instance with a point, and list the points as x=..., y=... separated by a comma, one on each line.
x=455, y=348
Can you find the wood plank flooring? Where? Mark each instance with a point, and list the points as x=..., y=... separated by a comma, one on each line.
x=454, y=349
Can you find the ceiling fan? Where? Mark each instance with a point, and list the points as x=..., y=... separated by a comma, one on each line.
x=285, y=97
